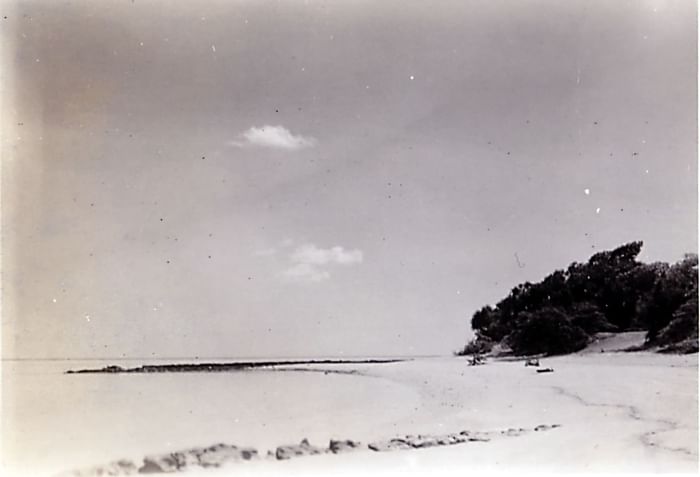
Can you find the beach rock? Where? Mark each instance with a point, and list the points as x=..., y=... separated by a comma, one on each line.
x=545, y=370
x=220, y=454
x=337, y=447
x=475, y=436
x=456, y=439
x=419, y=442
x=217, y=455
x=425, y=441
x=213, y=456
x=304, y=448
x=392, y=444
x=546, y=427
x=164, y=463
x=447, y=439
x=511, y=432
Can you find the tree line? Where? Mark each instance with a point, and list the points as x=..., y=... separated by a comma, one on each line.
x=611, y=292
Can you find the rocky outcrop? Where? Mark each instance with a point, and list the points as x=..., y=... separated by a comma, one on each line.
x=424, y=441
x=221, y=454
x=226, y=367
x=213, y=456
x=391, y=444
x=303, y=448
x=336, y=447
x=546, y=427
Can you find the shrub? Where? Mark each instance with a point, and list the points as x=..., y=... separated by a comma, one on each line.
x=611, y=292
x=682, y=347
x=683, y=326
x=590, y=319
x=478, y=345
x=547, y=331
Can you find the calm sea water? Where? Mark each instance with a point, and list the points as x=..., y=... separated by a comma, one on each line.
x=52, y=421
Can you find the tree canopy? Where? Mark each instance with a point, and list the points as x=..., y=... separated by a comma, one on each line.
x=613, y=291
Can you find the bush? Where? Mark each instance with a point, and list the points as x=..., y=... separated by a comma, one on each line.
x=611, y=292
x=478, y=345
x=590, y=319
x=672, y=291
x=682, y=347
x=547, y=331
x=683, y=326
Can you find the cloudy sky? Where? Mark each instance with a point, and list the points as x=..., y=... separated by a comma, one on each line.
x=308, y=178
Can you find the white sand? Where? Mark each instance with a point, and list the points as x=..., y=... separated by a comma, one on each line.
x=618, y=411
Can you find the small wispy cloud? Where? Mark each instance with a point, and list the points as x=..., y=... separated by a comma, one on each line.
x=275, y=137
x=314, y=255
x=311, y=263
x=305, y=272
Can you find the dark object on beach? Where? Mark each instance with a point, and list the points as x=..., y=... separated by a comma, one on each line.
x=477, y=360
x=545, y=370
x=532, y=362
x=304, y=448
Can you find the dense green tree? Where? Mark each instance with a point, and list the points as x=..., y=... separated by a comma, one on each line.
x=611, y=292
x=676, y=286
x=588, y=317
x=683, y=324
x=548, y=330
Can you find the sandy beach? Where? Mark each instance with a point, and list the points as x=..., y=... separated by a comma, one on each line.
x=254, y=237
x=613, y=411
x=608, y=421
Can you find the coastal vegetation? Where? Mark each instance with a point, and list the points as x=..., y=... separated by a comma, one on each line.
x=611, y=292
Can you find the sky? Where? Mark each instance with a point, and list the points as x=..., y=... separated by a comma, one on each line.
x=317, y=178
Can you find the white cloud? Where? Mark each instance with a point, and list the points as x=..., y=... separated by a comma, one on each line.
x=311, y=263
x=313, y=255
x=306, y=272
x=276, y=137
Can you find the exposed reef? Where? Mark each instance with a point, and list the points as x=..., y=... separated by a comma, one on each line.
x=221, y=367
x=220, y=454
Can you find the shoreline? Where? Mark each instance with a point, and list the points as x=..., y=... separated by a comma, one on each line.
x=223, y=367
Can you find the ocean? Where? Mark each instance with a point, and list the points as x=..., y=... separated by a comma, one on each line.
x=52, y=421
